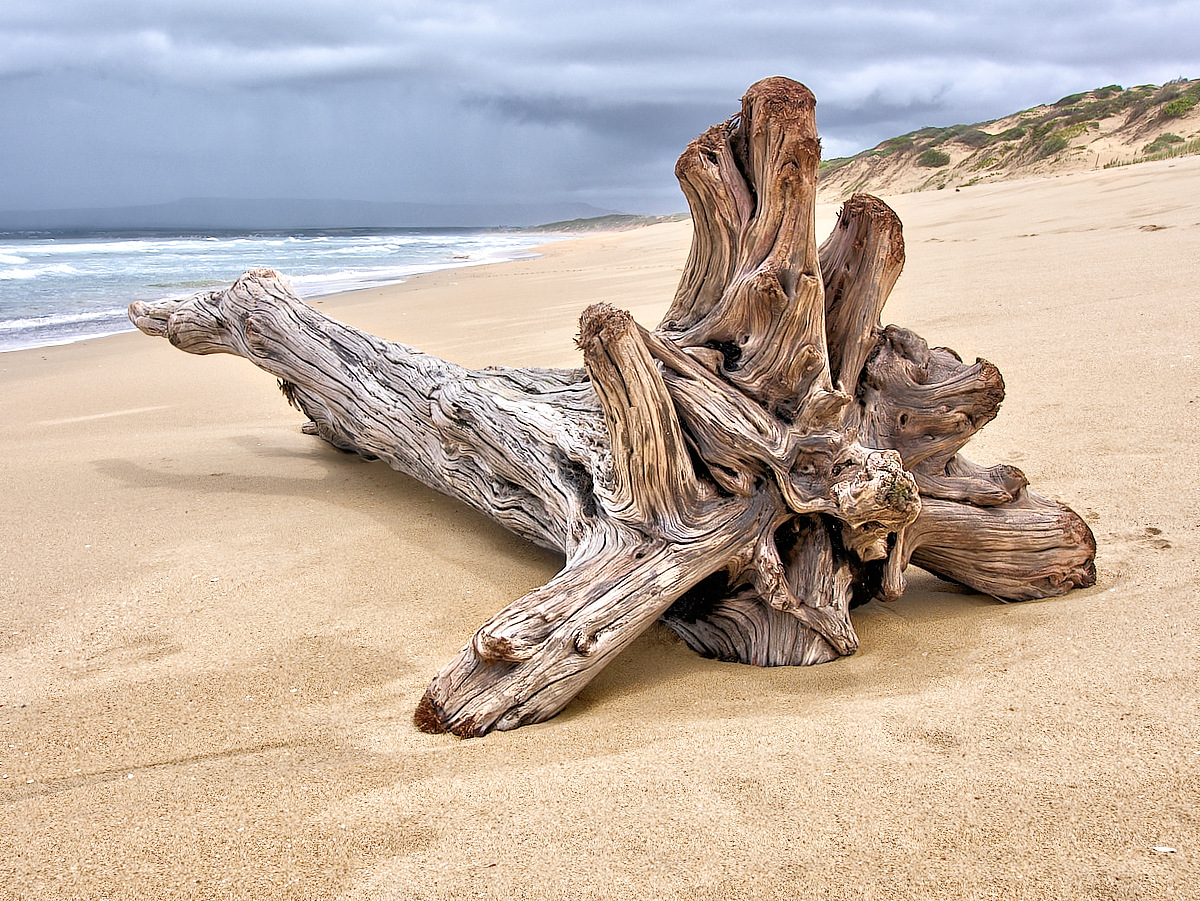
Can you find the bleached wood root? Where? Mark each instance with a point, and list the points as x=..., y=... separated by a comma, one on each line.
x=520, y=445
x=526, y=663
x=1030, y=547
x=767, y=457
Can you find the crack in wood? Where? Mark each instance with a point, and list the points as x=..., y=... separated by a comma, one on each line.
x=765, y=459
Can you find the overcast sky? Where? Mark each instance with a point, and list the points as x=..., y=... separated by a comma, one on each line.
x=123, y=102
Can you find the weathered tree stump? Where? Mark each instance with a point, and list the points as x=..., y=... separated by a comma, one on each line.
x=766, y=458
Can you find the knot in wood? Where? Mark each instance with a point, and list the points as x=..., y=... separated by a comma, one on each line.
x=709, y=472
x=882, y=493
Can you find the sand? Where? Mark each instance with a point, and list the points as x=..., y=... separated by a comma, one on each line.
x=1113, y=141
x=214, y=629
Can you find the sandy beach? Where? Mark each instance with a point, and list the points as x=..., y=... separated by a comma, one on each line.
x=214, y=628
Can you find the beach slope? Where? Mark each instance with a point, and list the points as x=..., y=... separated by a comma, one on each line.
x=214, y=629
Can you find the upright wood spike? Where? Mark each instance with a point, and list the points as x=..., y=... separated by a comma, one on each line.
x=764, y=459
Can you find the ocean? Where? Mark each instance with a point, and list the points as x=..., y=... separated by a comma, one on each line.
x=55, y=289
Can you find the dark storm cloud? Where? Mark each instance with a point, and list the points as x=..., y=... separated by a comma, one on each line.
x=629, y=121
x=124, y=102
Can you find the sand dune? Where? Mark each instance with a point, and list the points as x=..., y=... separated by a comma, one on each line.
x=1091, y=130
x=214, y=629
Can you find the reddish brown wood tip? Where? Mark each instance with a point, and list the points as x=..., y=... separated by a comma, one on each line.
x=600, y=320
x=468, y=729
x=429, y=716
x=871, y=206
x=779, y=89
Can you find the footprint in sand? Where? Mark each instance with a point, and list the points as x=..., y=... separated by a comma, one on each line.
x=1151, y=538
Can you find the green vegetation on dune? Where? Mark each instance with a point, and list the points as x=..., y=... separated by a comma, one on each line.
x=832, y=165
x=1056, y=143
x=1071, y=98
x=1179, y=107
x=933, y=158
x=1162, y=142
x=1166, y=151
x=973, y=137
x=1011, y=134
x=896, y=145
x=1030, y=137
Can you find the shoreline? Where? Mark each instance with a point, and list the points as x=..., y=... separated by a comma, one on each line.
x=60, y=293
x=826, y=214
x=214, y=628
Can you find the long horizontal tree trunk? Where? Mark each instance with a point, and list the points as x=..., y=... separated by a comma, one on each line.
x=765, y=458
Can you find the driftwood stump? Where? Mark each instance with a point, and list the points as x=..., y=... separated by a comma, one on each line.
x=763, y=460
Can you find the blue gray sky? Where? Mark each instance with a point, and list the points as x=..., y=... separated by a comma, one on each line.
x=122, y=102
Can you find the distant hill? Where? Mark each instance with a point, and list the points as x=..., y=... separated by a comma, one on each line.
x=616, y=222
x=272, y=215
x=1105, y=127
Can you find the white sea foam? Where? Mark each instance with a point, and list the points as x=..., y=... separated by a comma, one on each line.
x=36, y=271
x=54, y=290
x=68, y=319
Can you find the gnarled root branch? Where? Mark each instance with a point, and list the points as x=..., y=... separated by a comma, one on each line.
x=765, y=459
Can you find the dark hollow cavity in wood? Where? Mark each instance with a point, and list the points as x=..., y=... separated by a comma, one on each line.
x=765, y=459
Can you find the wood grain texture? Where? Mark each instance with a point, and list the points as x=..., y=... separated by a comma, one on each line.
x=766, y=458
